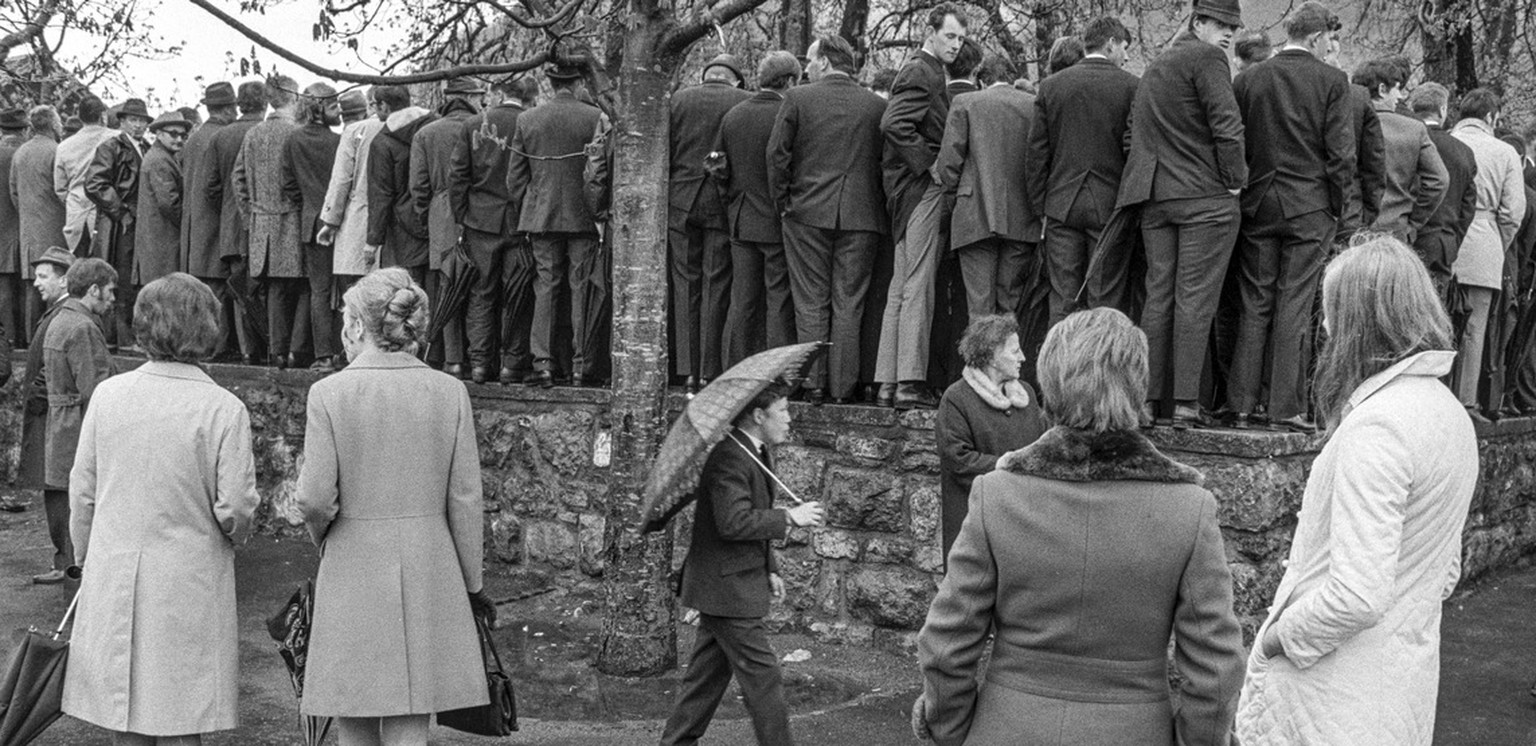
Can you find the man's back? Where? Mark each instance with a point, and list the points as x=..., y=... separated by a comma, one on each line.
x=828, y=175
x=548, y=182
x=1299, y=146
x=695, y=123
x=485, y=154
x=41, y=211
x=1449, y=222
x=1415, y=175
x=745, y=131
x=1077, y=142
x=983, y=161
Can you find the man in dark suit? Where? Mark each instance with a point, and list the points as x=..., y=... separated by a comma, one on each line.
x=503, y=262
x=1301, y=163
x=1073, y=165
x=730, y=573
x=697, y=234
x=1440, y=238
x=200, y=213
x=981, y=164
x=762, y=310
x=824, y=173
x=1370, y=161
x=308, y=157
x=220, y=254
x=1186, y=167
x=546, y=183
x=914, y=130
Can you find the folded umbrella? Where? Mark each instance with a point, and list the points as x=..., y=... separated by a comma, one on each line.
x=290, y=628
x=706, y=420
x=32, y=682
x=1121, y=235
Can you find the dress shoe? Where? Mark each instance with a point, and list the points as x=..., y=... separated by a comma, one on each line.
x=815, y=397
x=870, y=394
x=323, y=366
x=454, y=369
x=9, y=505
x=479, y=374
x=886, y=395
x=580, y=381
x=52, y=577
x=542, y=378
x=915, y=396
x=844, y=400
x=1297, y=424
x=1240, y=421
x=691, y=385
x=283, y=362
x=1190, y=417
x=1148, y=418
x=509, y=377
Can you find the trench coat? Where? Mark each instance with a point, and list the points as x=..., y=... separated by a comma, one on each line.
x=112, y=184
x=163, y=487
x=72, y=161
x=75, y=358
x=273, y=220
x=201, y=209
x=1123, y=552
x=10, y=220
x=31, y=468
x=157, y=242
x=1500, y=190
x=346, y=198
x=1377, y=549
x=207, y=260
x=392, y=496
x=31, y=185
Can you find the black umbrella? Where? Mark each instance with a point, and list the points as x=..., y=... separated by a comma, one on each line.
x=1121, y=235
x=457, y=276
x=290, y=628
x=32, y=682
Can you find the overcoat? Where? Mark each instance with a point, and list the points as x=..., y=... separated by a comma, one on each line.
x=548, y=189
x=219, y=184
x=309, y=157
x=31, y=468
x=1440, y=240
x=392, y=222
x=982, y=164
x=10, y=220
x=750, y=208
x=824, y=156
x=391, y=493
x=971, y=435
x=695, y=115
x=72, y=160
x=436, y=195
x=40, y=209
x=729, y=554
x=200, y=210
x=1377, y=549
x=273, y=220
x=112, y=184
x=163, y=487
x=1500, y=206
x=913, y=123
x=1076, y=148
x=157, y=242
x=1123, y=552
x=76, y=361
x=346, y=198
x=481, y=161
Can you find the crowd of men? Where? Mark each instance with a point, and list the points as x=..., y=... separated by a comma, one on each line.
x=877, y=217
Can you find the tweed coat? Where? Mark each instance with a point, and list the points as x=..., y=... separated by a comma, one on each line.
x=750, y=208
x=346, y=198
x=200, y=212
x=75, y=358
x=309, y=157
x=31, y=467
x=729, y=554
x=219, y=185
x=1500, y=206
x=390, y=491
x=824, y=156
x=436, y=195
x=272, y=219
x=1077, y=143
x=163, y=488
x=157, y=241
x=695, y=114
x=72, y=159
x=982, y=164
x=392, y=221
x=1377, y=549
x=481, y=161
x=550, y=195
x=913, y=123
x=10, y=221
x=40, y=211
x=971, y=436
x=1416, y=177
x=1123, y=551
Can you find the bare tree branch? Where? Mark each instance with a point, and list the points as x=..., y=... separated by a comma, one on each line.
x=31, y=28
x=680, y=38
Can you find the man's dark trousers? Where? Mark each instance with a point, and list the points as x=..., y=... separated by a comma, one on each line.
x=829, y=273
x=762, y=311
x=564, y=260
x=1188, y=245
x=287, y=313
x=322, y=313
x=723, y=647
x=487, y=252
x=56, y=505
x=1068, y=254
x=701, y=295
x=1278, y=269
x=993, y=272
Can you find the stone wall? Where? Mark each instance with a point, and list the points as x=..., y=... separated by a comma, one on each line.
x=869, y=574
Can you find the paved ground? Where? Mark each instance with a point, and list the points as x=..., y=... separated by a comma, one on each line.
x=844, y=695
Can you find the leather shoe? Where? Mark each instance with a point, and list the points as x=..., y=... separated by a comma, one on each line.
x=1240, y=421
x=454, y=369
x=815, y=397
x=479, y=374
x=1190, y=417
x=886, y=395
x=1297, y=424
x=844, y=400
x=509, y=377
x=11, y=506
x=282, y=362
x=542, y=378
x=323, y=366
x=52, y=577
x=914, y=396
x=580, y=381
x=691, y=385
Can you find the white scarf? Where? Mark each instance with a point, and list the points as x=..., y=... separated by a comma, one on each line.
x=1010, y=394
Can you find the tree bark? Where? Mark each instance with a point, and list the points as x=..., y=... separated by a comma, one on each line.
x=795, y=26
x=855, y=27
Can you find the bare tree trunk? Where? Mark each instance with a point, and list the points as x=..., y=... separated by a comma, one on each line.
x=855, y=27
x=1449, y=55
x=795, y=26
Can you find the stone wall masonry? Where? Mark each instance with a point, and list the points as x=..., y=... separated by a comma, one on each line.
x=870, y=573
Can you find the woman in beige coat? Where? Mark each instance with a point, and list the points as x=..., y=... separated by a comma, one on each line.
x=163, y=487
x=1350, y=653
x=390, y=490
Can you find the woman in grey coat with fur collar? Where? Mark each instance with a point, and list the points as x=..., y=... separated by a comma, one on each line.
x=1084, y=552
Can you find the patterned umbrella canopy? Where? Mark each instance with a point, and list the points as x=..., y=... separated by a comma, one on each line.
x=706, y=421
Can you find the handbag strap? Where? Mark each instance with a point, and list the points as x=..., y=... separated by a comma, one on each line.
x=486, y=642
x=67, y=614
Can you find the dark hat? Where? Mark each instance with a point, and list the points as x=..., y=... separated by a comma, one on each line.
x=219, y=94
x=354, y=103
x=55, y=255
x=562, y=72
x=13, y=119
x=728, y=62
x=133, y=107
x=173, y=118
x=73, y=125
x=463, y=86
x=1229, y=12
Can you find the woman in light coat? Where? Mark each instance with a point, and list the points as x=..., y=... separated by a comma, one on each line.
x=390, y=491
x=1082, y=554
x=1350, y=651
x=163, y=487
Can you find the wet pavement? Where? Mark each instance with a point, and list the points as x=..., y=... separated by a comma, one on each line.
x=844, y=694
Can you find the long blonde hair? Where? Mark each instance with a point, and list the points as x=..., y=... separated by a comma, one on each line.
x=1380, y=307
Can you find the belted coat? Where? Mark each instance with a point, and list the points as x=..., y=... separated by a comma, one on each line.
x=76, y=361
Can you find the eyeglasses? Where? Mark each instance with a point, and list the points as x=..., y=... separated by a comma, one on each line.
x=175, y=134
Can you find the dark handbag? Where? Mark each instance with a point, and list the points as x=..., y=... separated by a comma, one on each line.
x=499, y=718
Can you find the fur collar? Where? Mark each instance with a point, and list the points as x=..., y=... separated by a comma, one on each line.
x=1002, y=398
x=1069, y=455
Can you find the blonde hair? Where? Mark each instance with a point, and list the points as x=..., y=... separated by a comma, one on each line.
x=1381, y=307
x=392, y=309
x=1093, y=371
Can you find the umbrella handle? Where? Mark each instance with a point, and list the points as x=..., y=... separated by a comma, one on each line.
x=787, y=491
x=67, y=614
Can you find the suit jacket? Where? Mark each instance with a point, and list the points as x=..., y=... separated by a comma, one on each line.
x=392, y=220
x=346, y=198
x=201, y=213
x=1186, y=130
x=824, y=156
x=1415, y=176
x=1370, y=167
x=75, y=358
x=695, y=116
x=10, y=221
x=744, y=138
x=157, y=235
x=273, y=220
x=481, y=161
x=982, y=163
x=729, y=557
x=913, y=124
x=1440, y=239
x=1076, y=148
x=204, y=260
x=1301, y=155
x=1124, y=551
x=436, y=195
x=549, y=195
x=40, y=211
x=308, y=158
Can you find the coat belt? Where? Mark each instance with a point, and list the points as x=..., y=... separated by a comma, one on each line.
x=1077, y=678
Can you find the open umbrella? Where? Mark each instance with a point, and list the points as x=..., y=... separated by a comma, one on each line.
x=707, y=420
x=290, y=628
x=458, y=275
x=32, y=682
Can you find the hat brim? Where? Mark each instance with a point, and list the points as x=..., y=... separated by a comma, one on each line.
x=171, y=125
x=1229, y=18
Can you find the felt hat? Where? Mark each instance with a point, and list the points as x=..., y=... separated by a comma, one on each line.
x=562, y=72
x=354, y=103
x=728, y=62
x=463, y=86
x=172, y=118
x=1229, y=12
x=133, y=107
x=55, y=255
x=219, y=94
x=13, y=119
